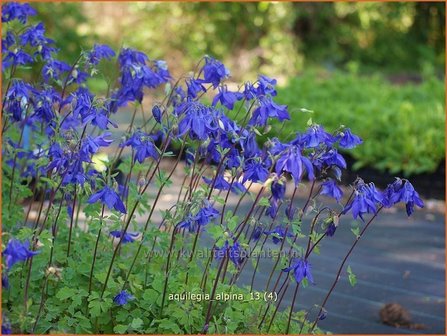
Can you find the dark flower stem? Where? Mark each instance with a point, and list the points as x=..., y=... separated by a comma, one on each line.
x=71, y=220
x=302, y=212
x=262, y=247
x=15, y=161
x=131, y=216
x=168, y=260
x=149, y=218
x=286, y=283
x=95, y=251
x=213, y=292
x=337, y=277
x=297, y=286
x=42, y=301
x=45, y=284
x=64, y=87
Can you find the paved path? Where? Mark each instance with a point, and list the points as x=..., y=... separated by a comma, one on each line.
x=399, y=260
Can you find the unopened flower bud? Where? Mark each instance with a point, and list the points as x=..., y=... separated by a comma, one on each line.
x=57, y=272
x=142, y=182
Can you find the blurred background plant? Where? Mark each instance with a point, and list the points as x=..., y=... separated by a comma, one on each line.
x=378, y=67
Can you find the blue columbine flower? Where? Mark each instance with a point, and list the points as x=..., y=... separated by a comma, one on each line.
x=214, y=72
x=365, y=200
x=44, y=105
x=91, y=145
x=330, y=230
x=157, y=113
x=402, y=190
x=206, y=214
x=136, y=74
x=278, y=234
x=278, y=189
x=6, y=326
x=8, y=41
x=17, y=57
x=5, y=281
x=17, y=98
x=301, y=269
x=122, y=298
x=108, y=197
x=128, y=57
x=256, y=234
x=268, y=109
x=35, y=36
x=331, y=158
x=292, y=161
x=100, y=51
x=322, y=315
x=348, y=140
x=227, y=98
x=331, y=189
x=143, y=145
x=249, y=145
x=235, y=253
x=75, y=173
x=162, y=73
x=197, y=120
x=16, y=251
x=214, y=153
x=129, y=237
x=194, y=87
x=54, y=69
x=272, y=210
x=187, y=223
x=315, y=136
x=15, y=10
x=222, y=184
x=255, y=171
x=266, y=86
x=249, y=91
x=99, y=118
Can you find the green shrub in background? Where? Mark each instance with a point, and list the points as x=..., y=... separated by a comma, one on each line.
x=272, y=38
x=406, y=121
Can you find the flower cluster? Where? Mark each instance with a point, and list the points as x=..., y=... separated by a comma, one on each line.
x=17, y=251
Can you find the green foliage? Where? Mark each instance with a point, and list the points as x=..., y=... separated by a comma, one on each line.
x=351, y=277
x=70, y=308
x=387, y=36
x=276, y=38
x=404, y=124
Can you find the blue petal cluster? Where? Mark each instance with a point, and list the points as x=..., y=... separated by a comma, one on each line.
x=301, y=270
x=109, y=197
x=122, y=298
x=278, y=234
x=16, y=251
x=402, y=190
x=129, y=237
